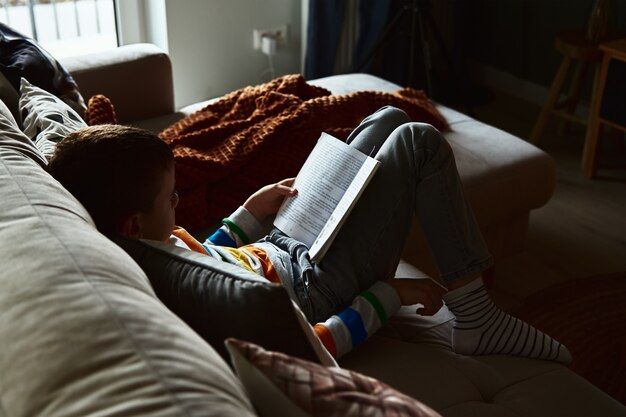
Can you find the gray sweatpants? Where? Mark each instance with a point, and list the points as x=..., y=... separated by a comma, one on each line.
x=418, y=176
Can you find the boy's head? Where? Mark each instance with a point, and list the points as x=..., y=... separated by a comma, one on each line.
x=124, y=177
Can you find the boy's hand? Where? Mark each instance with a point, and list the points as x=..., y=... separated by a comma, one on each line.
x=268, y=199
x=423, y=291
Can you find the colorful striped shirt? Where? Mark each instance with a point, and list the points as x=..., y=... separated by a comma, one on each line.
x=340, y=333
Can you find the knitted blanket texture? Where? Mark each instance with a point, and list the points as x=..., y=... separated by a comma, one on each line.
x=258, y=135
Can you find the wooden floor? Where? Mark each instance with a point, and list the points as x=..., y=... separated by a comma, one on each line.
x=582, y=230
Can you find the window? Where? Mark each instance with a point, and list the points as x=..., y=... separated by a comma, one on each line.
x=63, y=27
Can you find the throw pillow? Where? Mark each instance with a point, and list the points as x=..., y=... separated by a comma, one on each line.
x=219, y=300
x=45, y=118
x=282, y=385
x=20, y=57
x=12, y=137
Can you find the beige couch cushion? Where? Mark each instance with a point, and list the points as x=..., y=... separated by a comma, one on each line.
x=413, y=353
x=485, y=386
x=82, y=332
x=138, y=91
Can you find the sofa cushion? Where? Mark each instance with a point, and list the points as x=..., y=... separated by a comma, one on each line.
x=220, y=300
x=490, y=385
x=82, y=331
x=282, y=385
x=46, y=120
x=137, y=78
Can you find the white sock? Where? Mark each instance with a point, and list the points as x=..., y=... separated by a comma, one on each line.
x=481, y=328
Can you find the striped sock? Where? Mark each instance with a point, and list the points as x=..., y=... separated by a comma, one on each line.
x=481, y=328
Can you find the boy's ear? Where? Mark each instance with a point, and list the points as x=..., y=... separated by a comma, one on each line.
x=131, y=226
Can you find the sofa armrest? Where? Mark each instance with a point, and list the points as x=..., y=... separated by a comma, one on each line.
x=136, y=78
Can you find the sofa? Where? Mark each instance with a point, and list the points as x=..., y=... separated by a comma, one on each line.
x=84, y=333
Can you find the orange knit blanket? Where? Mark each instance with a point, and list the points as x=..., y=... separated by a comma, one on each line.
x=258, y=135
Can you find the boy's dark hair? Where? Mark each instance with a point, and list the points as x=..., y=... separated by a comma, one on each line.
x=113, y=170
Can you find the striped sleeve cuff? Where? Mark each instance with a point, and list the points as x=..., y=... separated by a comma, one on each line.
x=344, y=331
x=387, y=296
x=221, y=237
x=240, y=228
x=249, y=224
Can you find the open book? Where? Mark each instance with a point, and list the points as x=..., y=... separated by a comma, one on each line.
x=329, y=183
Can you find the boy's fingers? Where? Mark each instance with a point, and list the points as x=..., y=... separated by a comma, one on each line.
x=284, y=189
x=433, y=301
x=430, y=308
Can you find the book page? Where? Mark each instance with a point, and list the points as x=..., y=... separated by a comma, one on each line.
x=345, y=205
x=321, y=183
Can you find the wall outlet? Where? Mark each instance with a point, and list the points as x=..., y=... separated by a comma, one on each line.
x=279, y=33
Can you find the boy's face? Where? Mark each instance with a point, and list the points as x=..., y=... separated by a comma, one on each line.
x=158, y=223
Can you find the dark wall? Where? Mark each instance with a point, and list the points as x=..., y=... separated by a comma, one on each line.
x=514, y=36
x=517, y=36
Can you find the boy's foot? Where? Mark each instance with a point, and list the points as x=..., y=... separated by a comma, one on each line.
x=481, y=328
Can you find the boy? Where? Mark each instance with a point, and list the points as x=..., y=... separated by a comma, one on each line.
x=125, y=178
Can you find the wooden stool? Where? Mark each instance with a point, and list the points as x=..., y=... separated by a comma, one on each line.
x=604, y=112
x=576, y=47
